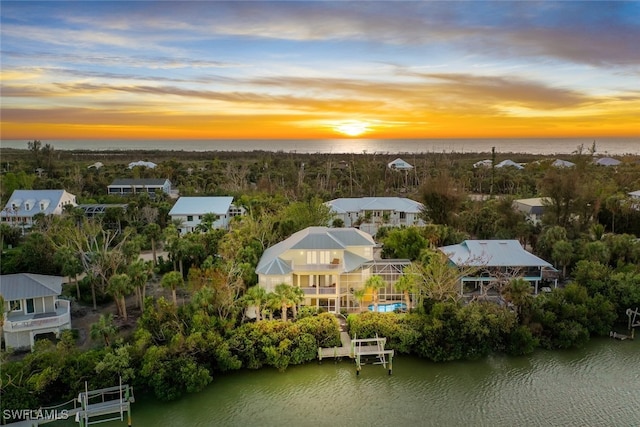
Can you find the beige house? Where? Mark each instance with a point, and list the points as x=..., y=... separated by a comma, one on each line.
x=32, y=308
x=328, y=264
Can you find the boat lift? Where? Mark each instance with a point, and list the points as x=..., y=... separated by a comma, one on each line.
x=363, y=350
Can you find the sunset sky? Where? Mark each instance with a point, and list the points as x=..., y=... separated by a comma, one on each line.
x=206, y=69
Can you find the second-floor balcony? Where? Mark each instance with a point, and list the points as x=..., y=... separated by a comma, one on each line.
x=320, y=290
x=334, y=265
x=34, y=321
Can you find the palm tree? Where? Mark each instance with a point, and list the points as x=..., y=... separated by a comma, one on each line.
x=518, y=293
x=406, y=284
x=172, y=280
x=256, y=296
x=139, y=273
x=297, y=296
x=104, y=328
x=272, y=304
x=154, y=233
x=207, y=221
x=70, y=265
x=283, y=294
x=562, y=254
x=359, y=294
x=374, y=284
x=119, y=287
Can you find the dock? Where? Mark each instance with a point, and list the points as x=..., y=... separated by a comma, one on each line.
x=90, y=407
x=363, y=351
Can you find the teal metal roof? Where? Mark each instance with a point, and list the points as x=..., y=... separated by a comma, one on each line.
x=492, y=253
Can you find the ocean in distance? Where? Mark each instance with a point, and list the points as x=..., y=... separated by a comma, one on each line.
x=543, y=146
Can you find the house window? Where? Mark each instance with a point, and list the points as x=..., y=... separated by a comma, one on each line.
x=30, y=306
x=15, y=305
x=189, y=217
x=403, y=215
x=318, y=257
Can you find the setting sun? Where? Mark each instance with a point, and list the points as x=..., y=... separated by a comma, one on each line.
x=352, y=128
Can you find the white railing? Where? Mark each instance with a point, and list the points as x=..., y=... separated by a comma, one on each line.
x=27, y=324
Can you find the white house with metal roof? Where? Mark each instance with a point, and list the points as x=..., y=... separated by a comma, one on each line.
x=399, y=164
x=23, y=205
x=126, y=187
x=532, y=208
x=328, y=264
x=189, y=212
x=495, y=260
x=370, y=213
x=31, y=308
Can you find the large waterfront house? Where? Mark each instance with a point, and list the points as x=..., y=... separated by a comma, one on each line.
x=495, y=261
x=532, y=208
x=32, y=308
x=152, y=186
x=370, y=213
x=23, y=205
x=329, y=265
x=189, y=212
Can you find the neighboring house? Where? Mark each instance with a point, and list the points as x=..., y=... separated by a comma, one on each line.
x=635, y=194
x=399, y=164
x=32, y=308
x=95, y=209
x=607, y=161
x=143, y=164
x=370, y=213
x=190, y=210
x=509, y=163
x=532, y=208
x=483, y=164
x=329, y=265
x=562, y=164
x=23, y=205
x=496, y=260
x=126, y=187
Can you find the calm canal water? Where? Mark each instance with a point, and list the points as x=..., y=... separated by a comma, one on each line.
x=595, y=386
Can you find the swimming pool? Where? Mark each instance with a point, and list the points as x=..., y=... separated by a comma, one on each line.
x=385, y=308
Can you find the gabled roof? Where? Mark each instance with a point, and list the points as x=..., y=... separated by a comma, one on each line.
x=149, y=165
x=511, y=163
x=142, y=182
x=399, y=164
x=492, y=253
x=534, y=205
x=607, y=161
x=315, y=238
x=635, y=194
x=27, y=285
x=34, y=200
x=359, y=204
x=201, y=205
x=483, y=164
x=562, y=164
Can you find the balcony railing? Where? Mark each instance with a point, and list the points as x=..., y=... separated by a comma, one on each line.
x=322, y=290
x=318, y=267
x=34, y=321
